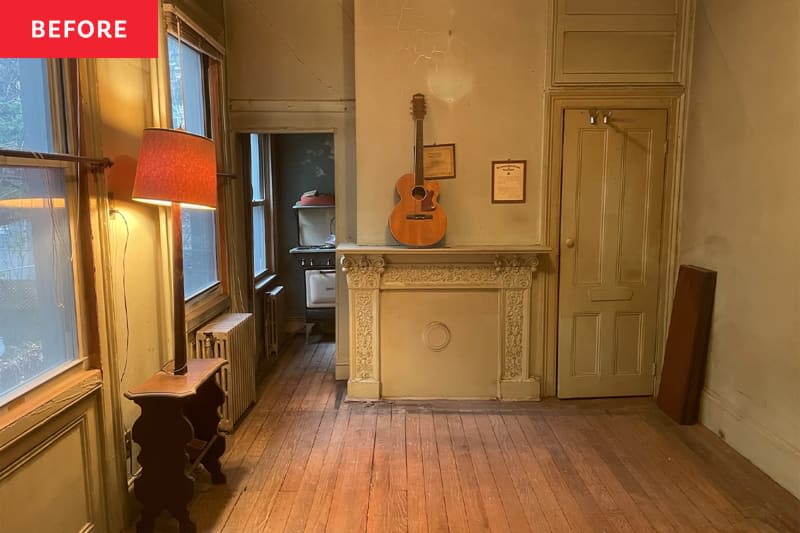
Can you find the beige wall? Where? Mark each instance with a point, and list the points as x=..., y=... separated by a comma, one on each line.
x=290, y=69
x=741, y=217
x=290, y=49
x=125, y=105
x=481, y=66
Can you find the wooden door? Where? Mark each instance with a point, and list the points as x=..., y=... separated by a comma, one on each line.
x=612, y=192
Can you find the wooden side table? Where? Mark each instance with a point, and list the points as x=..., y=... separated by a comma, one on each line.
x=176, y=430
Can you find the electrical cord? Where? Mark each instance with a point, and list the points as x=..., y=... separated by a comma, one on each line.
x=124, y=291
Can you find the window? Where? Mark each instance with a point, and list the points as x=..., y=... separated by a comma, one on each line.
x=190, y=111
x=259, y=172
x=38, y=319
x=25, y=107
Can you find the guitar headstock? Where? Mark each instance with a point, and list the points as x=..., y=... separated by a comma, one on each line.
x=418, y=106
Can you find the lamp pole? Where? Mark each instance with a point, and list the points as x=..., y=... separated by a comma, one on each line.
x=178, y=303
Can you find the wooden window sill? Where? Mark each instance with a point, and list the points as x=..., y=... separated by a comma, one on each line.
x=206, y=306
x=46, y=400
x=265, y=281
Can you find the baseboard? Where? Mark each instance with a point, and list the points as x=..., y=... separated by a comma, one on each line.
x=774, y=455
x=295, y=324
x=342, y=371
x=361, y=390
x=529, y=389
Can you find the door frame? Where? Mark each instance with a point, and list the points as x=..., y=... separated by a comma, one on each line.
x=673, y=100
x=313, y=116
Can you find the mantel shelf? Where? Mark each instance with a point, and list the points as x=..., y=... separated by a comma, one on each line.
x=512, y=249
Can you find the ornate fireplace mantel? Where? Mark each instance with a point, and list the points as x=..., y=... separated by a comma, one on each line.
x=509, y=272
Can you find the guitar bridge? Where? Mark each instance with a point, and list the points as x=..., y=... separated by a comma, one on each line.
x=418, y=216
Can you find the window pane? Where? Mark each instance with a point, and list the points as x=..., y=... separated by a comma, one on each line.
x=37, y=301
x=259, y=240
x=187, y=87
x=188, y=95
x=199, y=251
x=25, y=105
x=255, y=168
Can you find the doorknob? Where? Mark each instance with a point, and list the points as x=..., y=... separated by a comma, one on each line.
x=570, y=243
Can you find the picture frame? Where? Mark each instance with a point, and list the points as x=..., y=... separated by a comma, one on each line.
x=439, y=161
x=508, y=181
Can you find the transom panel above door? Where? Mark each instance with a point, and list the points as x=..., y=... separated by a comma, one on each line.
x=612, y=196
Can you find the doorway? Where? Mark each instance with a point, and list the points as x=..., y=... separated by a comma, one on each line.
x=303, y=173
x=613, y=175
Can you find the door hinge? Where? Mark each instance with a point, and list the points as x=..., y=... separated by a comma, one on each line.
x=666, y=145
x=654, y=369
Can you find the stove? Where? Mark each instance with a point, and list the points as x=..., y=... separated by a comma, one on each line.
x=315, y=256
x=319, y=265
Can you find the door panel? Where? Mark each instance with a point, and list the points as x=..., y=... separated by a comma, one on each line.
x=590, y=181
x=586, y=341
x=612, y=193
x=627, y=343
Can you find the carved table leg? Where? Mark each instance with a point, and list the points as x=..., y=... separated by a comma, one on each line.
x=162, y=432
x=203, y=412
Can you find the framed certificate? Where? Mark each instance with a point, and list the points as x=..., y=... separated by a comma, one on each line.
x=508, y=182
x=439, y=161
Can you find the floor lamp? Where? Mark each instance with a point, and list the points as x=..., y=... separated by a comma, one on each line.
x=178, y=169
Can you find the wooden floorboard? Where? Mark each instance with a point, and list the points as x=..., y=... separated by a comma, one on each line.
x=304, y=459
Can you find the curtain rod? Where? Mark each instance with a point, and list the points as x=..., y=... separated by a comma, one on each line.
x=96, y=163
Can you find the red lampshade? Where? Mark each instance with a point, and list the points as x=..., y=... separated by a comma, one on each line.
x=176, y=166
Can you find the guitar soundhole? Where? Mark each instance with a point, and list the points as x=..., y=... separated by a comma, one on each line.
x=418, y=192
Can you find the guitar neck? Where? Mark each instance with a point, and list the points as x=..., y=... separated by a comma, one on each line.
x=418, y=147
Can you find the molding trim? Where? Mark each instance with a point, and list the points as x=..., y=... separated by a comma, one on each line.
x=292, y=106
x=58, y=399
x=511, y=275
x=113, y=449
x=439, y=276
x=363, y=271
x=77, y=413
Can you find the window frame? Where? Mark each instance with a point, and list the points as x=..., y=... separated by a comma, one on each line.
x=266, y=182
x=215, y=299
x=62, y=78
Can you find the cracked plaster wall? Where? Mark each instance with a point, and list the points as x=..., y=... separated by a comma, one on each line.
x=290, y=49
x=481, y=66
x=740, y=218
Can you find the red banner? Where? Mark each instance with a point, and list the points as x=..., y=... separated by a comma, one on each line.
x=79, y=28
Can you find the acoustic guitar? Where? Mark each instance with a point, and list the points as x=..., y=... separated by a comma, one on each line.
x=417, y=219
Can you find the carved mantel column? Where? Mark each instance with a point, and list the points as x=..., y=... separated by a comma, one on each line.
x=516, y=275
x=363, y=282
